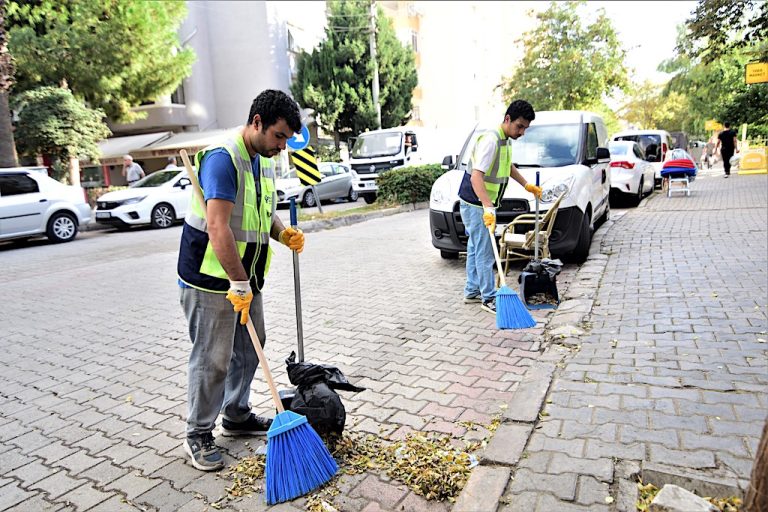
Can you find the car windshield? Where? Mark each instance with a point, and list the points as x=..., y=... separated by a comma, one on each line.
x=618, y=149
x=156, y=179
x=549, y=145
x=369, y=145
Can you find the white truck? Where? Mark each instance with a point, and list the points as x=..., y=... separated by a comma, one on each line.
x=378, y=151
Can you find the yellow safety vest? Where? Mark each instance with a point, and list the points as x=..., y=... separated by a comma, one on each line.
x=251, y=222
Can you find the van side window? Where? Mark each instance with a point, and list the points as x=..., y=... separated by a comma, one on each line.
x=15, y=184
x=591, y=141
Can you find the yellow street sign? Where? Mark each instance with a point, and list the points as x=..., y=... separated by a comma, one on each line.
x=712, y=125
x=306, y=166
x=756, y=73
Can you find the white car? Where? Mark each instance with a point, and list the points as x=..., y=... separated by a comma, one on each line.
x=159, y=199
x=632, y=177
x=656, y=145
x=33, y=204
x=337, y=183
x=566, y=147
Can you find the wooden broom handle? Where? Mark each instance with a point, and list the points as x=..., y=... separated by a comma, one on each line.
x=496, y=255
x=255, y=341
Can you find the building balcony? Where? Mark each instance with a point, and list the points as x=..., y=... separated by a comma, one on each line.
x=169, y=117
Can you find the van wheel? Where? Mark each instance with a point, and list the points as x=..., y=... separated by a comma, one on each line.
x=369, y=198
x=580, y=253
x=449, y=255
x=62, y=227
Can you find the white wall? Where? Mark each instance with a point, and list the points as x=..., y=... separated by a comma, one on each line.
x=466, y=50
x=241, y=50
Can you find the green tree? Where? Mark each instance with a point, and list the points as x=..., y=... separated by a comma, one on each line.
x=114, y=54
x=649, y=108
x=53, y=122
x=7, y=147
x=716, y=27
x=568, y=65
x=335, y=79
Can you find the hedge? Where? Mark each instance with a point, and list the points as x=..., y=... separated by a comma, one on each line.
x=408, y=184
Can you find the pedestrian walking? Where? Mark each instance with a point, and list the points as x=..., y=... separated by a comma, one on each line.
x=481, y=191
x=224, y=257
x=132, y=172
x=727, y=143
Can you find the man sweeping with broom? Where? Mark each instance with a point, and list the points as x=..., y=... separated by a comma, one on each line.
x=481, y=191
x=223, y=259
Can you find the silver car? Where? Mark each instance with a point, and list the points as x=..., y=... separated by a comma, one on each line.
x=32, y=204
x=336, y=183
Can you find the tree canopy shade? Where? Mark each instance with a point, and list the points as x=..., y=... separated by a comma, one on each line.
x=53, y=122
x=567, y=64
x=718, y=26
x=115, y=54
x=335, y=79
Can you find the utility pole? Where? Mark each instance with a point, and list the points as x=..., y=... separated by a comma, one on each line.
x=375, y=85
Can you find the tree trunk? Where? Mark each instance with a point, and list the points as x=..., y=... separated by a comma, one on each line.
x=757, y=494
x=74, y=171
x=8, y=156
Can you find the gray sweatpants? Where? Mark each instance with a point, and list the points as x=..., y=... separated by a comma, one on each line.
x=222, y=361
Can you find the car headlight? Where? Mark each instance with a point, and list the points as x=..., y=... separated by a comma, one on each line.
x=551, y=191
x=133, y=200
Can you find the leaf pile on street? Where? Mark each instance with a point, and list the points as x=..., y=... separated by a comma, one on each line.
x=647, y=492
x=541, y=298
x=434, y=466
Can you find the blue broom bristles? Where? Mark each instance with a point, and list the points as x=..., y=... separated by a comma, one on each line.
x=511, y=313
x=297, y=459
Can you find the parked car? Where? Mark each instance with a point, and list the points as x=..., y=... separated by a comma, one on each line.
x=159, y=199
x=631, y=176
x=567, y=148
x=337, y=183
x=33, y=204
x=655, y=144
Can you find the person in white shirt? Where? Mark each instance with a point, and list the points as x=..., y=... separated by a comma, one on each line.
x=131, y=170
x=171, y=163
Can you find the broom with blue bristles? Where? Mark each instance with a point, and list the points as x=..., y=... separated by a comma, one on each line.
x=297, y=459
x=511, y=313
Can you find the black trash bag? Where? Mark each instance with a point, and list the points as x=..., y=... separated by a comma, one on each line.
x=308, y=373
x=315, y=396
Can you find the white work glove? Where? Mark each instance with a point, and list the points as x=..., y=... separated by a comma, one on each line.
x=240, y=295
x=489, y=217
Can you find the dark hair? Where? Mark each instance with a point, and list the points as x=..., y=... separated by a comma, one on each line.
x=272, y=105
x=520, y=108
x=727, y=125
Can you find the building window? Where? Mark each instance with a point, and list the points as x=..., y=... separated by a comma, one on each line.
x=291, y=42
x=178, y=95
x=415, y=41
x=416, y=113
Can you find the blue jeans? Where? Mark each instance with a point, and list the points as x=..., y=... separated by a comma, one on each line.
x=480, y=259
x=222, y=361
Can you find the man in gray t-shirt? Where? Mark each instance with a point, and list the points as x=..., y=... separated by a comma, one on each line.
x=131, y=170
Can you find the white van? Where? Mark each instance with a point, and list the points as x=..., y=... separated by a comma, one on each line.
x=379, y=151
x=656, y=146
x=568, y=148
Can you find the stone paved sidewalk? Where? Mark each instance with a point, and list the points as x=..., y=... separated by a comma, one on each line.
x=669, y=379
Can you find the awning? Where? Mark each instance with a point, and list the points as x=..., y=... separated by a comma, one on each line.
x=116, y=147
x=191, y=141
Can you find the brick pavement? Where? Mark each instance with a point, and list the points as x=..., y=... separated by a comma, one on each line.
x=671, y=379
x=94, y=348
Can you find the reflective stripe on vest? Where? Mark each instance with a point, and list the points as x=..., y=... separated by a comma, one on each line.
x=497, y=177
x=251, y=217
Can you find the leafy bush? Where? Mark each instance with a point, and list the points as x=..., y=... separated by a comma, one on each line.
x=328, y=153
x=408, y=184
x=94, y=193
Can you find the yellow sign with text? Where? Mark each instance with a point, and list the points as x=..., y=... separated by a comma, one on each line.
x=754, y=161
x=756, y=73
x=712, y=125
